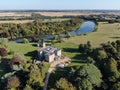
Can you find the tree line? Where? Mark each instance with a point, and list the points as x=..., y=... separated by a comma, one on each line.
x=38, y=28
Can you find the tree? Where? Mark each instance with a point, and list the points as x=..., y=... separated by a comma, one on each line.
x=35, y=78
x=118, y=42
x=67, y=34
x=89, y=44
x=13, y=82
x=101, y=54
x=3, y=52
x=116, y=86
x=37, y=75
x=25, y=40
x=85, y=48
x=85, y=84
x=90, y=60
x=17, y=59
x=91, y=73
x=27, y=87
x=63, y=84
x=17, y=62
x=111, y=70
x=81, y=48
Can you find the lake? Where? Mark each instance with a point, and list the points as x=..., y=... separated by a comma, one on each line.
x=85, y=28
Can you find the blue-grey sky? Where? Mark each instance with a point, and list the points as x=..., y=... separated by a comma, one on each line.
x=59, y=4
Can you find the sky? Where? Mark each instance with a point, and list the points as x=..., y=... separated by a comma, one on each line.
x=59, y=4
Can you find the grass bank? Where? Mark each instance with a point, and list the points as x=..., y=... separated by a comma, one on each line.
x=105, y=32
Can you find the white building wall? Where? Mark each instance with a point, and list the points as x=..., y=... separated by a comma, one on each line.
x=59, y=52
x=50, y=58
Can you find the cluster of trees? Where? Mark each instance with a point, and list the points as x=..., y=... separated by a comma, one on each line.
x=22, y=75
x=107, y=58
x=100, y=70
x=37, y=28
x=86, y=77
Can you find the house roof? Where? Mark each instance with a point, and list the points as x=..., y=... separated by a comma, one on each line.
x=49, y=50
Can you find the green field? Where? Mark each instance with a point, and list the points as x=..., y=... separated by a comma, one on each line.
x=106, y=32
x=28, y=49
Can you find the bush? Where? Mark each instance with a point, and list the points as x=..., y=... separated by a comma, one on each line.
x=13, y=82
x=25, y=40
x=3, y=52
x=17, y=59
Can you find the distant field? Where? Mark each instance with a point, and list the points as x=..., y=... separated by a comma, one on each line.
x=58, y=14
x=106, y=32
x=17, y=21
x=61, y=13
x=56, y=19
x=27, y=21
x=14, y=14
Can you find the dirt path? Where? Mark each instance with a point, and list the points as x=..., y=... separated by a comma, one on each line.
x=51, y=68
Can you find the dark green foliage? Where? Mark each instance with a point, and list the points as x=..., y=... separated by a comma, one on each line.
x=116, y=86
x=90, y=60
x=63, y=84
x=101, y=54
x=85, y=84
x=37, y=75
x=67, y=34
x=91, y=73
x=18, y=59
x=85, y=48
x=101, y=71
x=111, y=70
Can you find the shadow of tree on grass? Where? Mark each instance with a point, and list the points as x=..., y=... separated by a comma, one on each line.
x=4, y=67
x=32, y=54
x=115, y=37
x=70, y=50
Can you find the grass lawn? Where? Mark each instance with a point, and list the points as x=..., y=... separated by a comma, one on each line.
x=106, y=32
x=28, y=49
x=71, y=50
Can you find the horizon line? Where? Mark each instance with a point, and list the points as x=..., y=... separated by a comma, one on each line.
x=59, y=9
